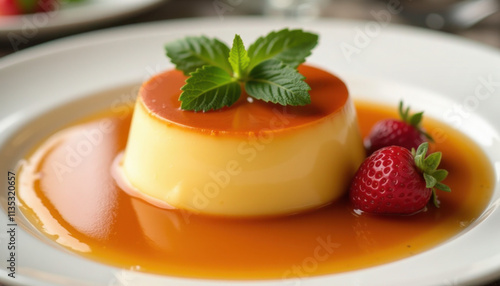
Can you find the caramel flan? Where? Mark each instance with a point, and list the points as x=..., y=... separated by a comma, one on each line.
x=251, y=159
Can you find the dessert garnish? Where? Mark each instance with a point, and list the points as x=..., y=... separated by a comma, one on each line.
x=405, y=132
x=394, y=180
x=267, y=70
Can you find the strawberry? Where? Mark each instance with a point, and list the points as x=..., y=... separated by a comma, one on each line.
x=394, y=180
x=405, y=132
x=18, y=7
x=9, y=7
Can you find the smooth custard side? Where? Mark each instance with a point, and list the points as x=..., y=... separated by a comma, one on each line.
x=258, y=160
x=268, y=173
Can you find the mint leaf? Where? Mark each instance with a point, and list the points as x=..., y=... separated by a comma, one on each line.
x=289, y=46
x=208, y=88
x=191, y=53
x=274, y=81
x=238, y=58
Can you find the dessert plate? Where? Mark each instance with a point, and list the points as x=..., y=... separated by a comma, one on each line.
x=453, y=80
x=85, y=14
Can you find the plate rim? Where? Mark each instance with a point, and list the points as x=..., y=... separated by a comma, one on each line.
x=100, y=36
x=74, y=16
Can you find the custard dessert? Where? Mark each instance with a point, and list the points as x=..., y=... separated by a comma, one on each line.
x=251, y=159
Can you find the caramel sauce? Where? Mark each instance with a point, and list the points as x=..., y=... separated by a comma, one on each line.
x=160, y=96
x=70, y=196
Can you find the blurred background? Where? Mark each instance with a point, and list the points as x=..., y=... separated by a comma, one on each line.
x=478, y=20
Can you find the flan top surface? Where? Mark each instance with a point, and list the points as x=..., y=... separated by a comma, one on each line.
x=160, y=96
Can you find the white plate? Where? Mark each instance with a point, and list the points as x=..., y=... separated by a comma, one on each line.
x=85, y=14
x=431, y=71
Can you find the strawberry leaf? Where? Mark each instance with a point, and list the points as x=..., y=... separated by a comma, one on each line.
x=428, y=166
x=440, y=174
x=432, y=162
x=430, y=181
x=403, y=113
x=414, y=120
x=420, y=155
x=442, y=187
x=435, y=199
x=422, y=149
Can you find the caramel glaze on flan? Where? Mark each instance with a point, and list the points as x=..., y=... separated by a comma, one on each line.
x=251, y=159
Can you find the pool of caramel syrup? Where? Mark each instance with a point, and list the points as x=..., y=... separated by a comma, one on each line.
x=73, y=200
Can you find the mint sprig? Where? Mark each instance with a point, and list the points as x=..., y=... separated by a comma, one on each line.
x=268, y=70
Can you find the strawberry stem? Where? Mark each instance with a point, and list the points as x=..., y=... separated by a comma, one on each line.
x=413, y=119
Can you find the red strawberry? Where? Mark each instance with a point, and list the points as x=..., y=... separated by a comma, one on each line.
x=18, y=7
x=9, y=7
x=394, y=180
x=405, y=132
